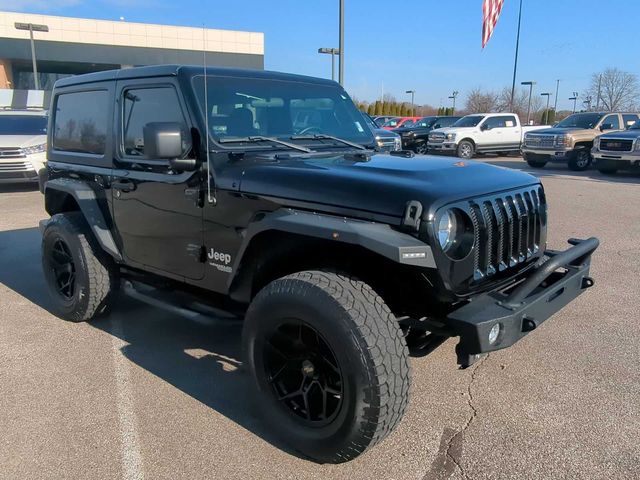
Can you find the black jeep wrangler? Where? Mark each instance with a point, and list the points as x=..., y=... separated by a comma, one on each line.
x=263, y=194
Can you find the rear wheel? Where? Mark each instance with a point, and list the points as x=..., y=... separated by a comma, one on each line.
x=80, y=277
x=330, y=363
x=466, y=149
x=607, y=167
x=580, y=161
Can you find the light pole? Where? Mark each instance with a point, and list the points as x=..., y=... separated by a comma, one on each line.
x=587, y=102
x=341, y=42
x=555, y=102
x=453, y=97
x=546, y=111
x=531, y=84
x=32, y=27
x=413, y=108
x=333, y=52
x=574, y=98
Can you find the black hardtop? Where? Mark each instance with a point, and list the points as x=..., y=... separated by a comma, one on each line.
x=187, y=71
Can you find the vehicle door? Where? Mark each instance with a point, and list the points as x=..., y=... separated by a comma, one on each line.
x=610, y=123
x=509, y=131
x=157, y=210
x=491, y=134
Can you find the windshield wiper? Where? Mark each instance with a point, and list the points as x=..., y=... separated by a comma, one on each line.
x=322, y=136
x=259, y=138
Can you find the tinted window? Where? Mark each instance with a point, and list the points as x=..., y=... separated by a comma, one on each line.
x=612, y=122
x=146, y=105
x=23, y=125
x=446, y=122
x=506, y=121
x=629, y=120
x=81, y=120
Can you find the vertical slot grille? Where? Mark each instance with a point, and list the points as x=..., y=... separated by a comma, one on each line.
x=507, y=230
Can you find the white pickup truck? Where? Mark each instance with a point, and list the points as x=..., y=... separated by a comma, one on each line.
x=480, y=133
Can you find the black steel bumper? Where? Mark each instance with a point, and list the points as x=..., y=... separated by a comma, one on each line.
x=521, y=308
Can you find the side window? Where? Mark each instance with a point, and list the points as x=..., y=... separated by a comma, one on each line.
x=613, y=121
x=145, y=105
x=495, y=122
x=80, y=122
x=629, y=119
x=510, y=121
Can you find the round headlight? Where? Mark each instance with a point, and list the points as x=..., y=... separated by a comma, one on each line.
x=455, y=233
x=446, y=229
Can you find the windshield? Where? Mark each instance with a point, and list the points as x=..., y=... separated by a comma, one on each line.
x=392, y=123
x=580, y=120
x=469, y=121
x=424, y=122
x=23, y=125
x=245, y=107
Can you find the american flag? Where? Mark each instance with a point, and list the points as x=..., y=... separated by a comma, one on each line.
x=490, y=12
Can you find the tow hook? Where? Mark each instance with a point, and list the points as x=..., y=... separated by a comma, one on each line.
x=587, y=282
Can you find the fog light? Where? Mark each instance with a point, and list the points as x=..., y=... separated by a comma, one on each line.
x=493, y=333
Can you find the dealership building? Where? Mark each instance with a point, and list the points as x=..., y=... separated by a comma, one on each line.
x=72, y=46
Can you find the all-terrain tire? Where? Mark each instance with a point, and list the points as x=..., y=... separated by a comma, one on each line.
x=368, y=346
x=95, y=274
x=421, y=148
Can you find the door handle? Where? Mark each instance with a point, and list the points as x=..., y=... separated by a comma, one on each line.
x=123, y=186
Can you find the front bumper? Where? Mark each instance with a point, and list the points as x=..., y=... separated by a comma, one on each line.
x=23, y=169
x=521, y=308
x=633, y=158
x=549, y=155
x=444, y=146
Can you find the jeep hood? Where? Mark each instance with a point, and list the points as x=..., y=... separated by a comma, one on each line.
x=382, y=185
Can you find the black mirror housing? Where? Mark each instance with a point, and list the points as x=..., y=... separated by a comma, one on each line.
x=162, y=140
x=606, y=126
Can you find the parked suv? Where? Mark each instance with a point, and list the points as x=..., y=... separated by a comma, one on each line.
x=175, y=183
x=386, y=140
x=617, y=150
x=23, y=137
x=571, y=139
x=415, y=136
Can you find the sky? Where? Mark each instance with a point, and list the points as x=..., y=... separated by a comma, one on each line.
x=430, y=46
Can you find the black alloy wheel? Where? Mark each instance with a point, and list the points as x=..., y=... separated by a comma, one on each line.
x=304, y=373
x=421, y=148
x=63, y=269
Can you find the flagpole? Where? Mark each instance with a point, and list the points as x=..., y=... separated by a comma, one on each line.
x=515, y=63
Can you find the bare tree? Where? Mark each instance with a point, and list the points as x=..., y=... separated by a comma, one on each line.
x=479, y=101
x=614, y=90
x=520, y=102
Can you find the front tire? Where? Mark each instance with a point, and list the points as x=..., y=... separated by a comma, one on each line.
x=465, y=150
x=421, y=148
x=581, y=161
x=81, y=278
x=329, y=361
x=608, y=167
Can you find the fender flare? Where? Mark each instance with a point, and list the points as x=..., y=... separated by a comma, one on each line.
x=88, y=202
x=379, y=238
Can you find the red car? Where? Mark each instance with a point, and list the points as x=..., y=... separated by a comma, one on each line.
x=398, y=122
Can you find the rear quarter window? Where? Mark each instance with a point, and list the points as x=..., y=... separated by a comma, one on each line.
x=80, y=122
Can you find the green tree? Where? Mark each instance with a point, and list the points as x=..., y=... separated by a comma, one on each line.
x=371, y=109
x=377, y=110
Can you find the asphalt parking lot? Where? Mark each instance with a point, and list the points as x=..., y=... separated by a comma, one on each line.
x=144, y=394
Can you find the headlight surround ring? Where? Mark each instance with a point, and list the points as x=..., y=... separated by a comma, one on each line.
x=455, y=233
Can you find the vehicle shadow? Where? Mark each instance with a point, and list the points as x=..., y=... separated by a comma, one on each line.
x=201, y=358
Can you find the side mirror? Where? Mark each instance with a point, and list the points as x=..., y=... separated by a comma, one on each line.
x=163, y=140
x=484, y=127
x=606, y=126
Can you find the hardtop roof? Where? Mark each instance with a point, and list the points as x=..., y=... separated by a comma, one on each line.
x=184, y=70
